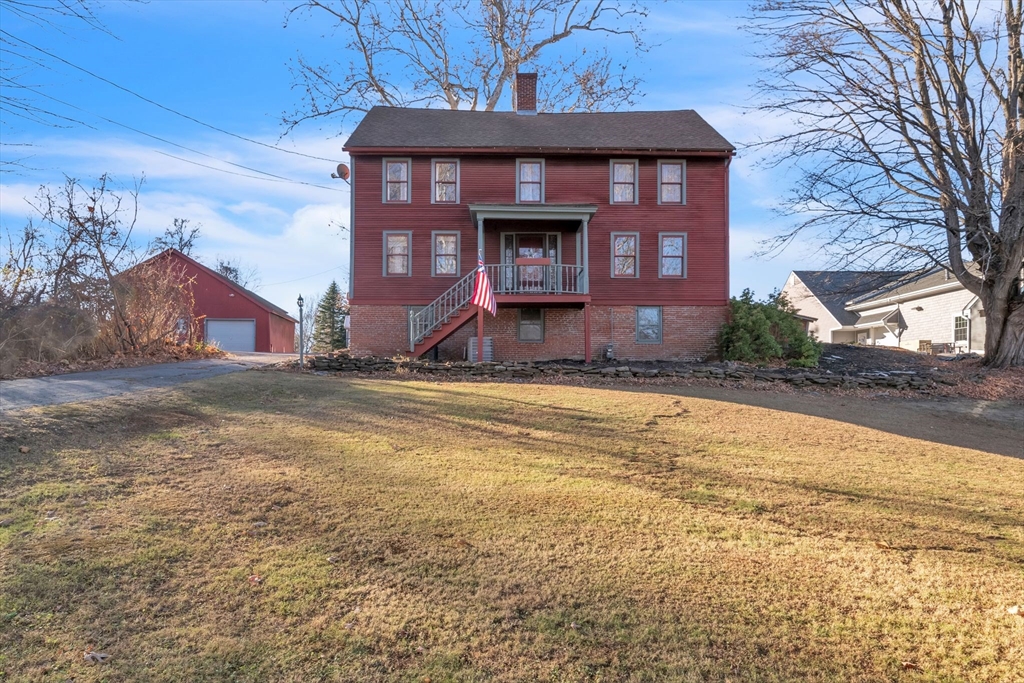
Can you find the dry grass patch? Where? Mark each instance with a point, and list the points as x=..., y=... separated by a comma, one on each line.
x=407, y=530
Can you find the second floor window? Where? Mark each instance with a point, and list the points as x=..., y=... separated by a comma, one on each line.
x=530, y=182
x=446, y=182
x=397, y=248
x=624, y=254
x=396, y=180
x=446, y=253
x=624, y=182
x=670, y=182
x=673, y=255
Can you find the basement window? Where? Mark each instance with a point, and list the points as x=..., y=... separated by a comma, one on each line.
x=531, y=325
x=648, y=324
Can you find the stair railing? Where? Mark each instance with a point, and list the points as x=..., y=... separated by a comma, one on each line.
x=438, y=312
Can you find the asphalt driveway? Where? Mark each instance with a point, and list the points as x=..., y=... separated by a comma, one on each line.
x=19, y=394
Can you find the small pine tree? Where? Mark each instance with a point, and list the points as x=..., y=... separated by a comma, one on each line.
x=329, y=322
x=761, y=331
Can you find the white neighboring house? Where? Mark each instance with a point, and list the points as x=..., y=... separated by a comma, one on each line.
x=922, y=310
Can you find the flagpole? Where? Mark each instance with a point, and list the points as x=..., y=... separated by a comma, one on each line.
x=480, y=327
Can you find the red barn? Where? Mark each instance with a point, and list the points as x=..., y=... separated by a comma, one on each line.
x=233, y=318
x=602, y=233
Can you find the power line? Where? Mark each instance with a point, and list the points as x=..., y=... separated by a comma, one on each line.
x=270, y=176
x=288, y=282
x=157, y=104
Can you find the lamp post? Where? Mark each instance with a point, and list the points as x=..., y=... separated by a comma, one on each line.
x=302, y=338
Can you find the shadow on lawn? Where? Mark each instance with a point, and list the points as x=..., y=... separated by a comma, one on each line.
x=402, y=548
x=952, y=422
x=401, y=413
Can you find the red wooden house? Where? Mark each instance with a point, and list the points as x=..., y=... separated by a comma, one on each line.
x=231, y=316
x=604, y=234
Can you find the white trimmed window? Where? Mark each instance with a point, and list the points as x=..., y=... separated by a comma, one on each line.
x=671, y=182
x=624, y=181
x=530, y=181
x=446, y=181
x=397, y=174
x=959, y=329
x=397, y=254
x=672, y=254
x=446, y=254
x=625, y=254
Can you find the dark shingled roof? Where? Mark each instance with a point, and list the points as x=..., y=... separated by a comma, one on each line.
x=682, y=130
x=913, y=282
x=835, y=288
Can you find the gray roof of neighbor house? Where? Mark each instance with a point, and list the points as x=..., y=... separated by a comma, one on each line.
x=835, y=288
x=912, y=283
x=393, y=127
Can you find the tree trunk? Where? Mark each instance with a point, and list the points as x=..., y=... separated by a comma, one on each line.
x=1004, y=330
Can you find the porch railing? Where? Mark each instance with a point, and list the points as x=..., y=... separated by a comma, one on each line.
x=440, y=310
x=555, y=278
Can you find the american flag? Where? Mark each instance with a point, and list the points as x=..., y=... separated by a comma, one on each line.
x=483, y=295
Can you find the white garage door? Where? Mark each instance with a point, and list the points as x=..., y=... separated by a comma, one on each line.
x=232, y=335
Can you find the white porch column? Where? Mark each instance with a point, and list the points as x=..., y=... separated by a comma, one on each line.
x=586, y=258
x=480, y=240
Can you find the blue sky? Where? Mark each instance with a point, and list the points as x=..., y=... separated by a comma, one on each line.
x=226, y=63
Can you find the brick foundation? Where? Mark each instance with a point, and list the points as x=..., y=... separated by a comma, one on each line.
x=688, y=332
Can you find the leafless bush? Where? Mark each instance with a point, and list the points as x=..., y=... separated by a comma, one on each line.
x=74, y=286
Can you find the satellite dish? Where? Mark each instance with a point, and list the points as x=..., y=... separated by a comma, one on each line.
x=342, y=172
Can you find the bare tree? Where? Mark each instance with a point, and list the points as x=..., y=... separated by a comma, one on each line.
x=909, y=139
x=243, y=274
x=18, y=93
x=464, y=54
x=179, y=236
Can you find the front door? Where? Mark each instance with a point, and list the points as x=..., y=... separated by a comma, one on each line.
x=531, y=278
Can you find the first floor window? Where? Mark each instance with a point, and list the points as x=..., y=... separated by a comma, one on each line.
x=396, y=180
x=396, y=253
x=648, y=324
x=959, y=329
x=673, y=255
x=531, y=325
x=446, y=253
x=624, y=248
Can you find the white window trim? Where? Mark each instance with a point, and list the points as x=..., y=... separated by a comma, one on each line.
x=636, y=181
x=683, y=190
x=968, y=339
x=384, y=250
x=433, y=181
x=636, y=256
x=543, y=178
x=661, y=325
x=384, y=179
x=519, y=327
x=433, y=252
x=686, y=254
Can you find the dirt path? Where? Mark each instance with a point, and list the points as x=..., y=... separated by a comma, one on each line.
x=19, y=394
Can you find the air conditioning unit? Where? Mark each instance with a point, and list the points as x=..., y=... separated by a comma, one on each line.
x=488, y=350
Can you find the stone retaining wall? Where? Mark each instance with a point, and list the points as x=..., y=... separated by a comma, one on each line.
x=527, y=370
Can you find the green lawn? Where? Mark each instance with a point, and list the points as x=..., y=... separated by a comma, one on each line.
x=416, y=531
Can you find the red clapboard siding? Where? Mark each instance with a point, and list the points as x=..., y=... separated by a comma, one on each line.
x=568, y=180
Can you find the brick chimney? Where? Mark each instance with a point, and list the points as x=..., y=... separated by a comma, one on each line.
x=526, y=93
